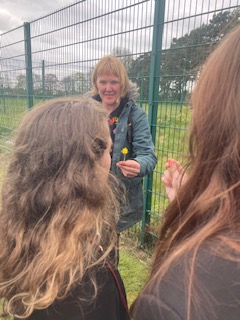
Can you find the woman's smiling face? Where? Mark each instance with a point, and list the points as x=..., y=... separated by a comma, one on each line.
x=109, y=87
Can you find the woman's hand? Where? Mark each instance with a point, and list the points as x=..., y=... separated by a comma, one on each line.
x=173, y=177
x=129, y=168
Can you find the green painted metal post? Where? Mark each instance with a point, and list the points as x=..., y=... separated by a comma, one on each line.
x=3, y=99
x=43, y=80
x=153, y=100
x=28, y=63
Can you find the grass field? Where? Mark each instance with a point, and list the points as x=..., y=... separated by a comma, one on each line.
x=133, y=267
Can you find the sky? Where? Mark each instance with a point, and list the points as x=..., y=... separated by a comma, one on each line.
x=14, y=13
x=64, y=38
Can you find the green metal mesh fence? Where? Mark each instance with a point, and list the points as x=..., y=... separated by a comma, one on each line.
x=163, y=44
x=192, y=30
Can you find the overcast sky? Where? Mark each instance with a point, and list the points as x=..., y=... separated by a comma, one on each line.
x=14, y=13
x=106, y=25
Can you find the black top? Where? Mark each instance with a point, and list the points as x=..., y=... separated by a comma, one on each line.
x=113, y=116
x=107, y=305
x=216, y=292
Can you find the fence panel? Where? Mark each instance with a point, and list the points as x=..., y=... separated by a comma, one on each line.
x=12, y=73
x=192, y=30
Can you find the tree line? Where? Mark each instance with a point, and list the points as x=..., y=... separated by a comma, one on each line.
x=180, y=63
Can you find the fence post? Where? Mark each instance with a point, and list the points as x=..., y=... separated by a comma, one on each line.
x=153, y=100
x=3, y=98
x=28, y=63
x=43, y=80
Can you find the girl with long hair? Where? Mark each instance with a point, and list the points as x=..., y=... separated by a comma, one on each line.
x=195, y=272
x=58, y=217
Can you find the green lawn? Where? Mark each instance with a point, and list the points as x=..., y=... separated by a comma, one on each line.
x=134, y=271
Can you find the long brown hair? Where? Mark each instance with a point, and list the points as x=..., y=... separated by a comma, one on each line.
x=207, y=206
x=58, y=204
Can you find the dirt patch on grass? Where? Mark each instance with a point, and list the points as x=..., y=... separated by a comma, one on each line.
x=132, y=245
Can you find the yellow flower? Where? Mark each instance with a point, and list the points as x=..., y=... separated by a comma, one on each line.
x=124, y=152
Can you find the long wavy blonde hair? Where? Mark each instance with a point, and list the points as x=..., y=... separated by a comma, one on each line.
x=58, y=204
x=207, y=206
